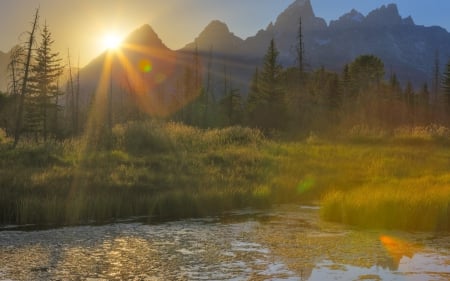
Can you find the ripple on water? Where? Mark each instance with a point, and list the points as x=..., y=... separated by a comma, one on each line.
x=288, y=243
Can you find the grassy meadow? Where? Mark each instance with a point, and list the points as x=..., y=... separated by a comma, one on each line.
x=153, y=169
x=169, y=171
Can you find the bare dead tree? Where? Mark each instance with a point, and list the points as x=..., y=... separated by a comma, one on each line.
x=25, y=79
x=72, y=94
x=77, y=98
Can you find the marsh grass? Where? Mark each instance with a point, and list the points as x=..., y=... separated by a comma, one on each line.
x=392, y=207
x=154, y=169
x=162, y=170
x=404, y=181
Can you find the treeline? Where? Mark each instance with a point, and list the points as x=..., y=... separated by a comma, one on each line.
x=295, y=101
x=291, y=100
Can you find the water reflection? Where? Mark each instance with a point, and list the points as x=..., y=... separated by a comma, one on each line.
x=288, y=243
x=317, y=250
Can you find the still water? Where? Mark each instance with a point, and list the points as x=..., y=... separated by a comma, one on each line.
x=286, y=243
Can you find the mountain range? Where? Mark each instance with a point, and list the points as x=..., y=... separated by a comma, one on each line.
x=407, y=49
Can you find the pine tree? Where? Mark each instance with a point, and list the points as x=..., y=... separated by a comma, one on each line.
x=346, y=82
x=395, y=85
x=44, y=88
x=436, y=77
x=366, y=72
x=446, y=85
x=300, y=52
x=231, y=105
x=409, y=94
x=271, y=101
x=252, y=99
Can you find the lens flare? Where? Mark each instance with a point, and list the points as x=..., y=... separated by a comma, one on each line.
x=305, y=185
x=145, y=66
x=398, y=248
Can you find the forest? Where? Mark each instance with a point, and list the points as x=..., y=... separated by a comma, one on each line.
x=295, y=135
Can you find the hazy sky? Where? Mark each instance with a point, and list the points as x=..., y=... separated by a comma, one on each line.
x=82, y=24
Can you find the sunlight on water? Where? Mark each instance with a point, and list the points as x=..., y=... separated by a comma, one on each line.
x=288, y=243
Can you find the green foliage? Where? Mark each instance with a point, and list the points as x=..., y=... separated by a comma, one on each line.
x=267, y=102
x=366, y=71
x=142, y=137
x=446, y=85
x=3, y=137
x=42, y=98
x=231, y=107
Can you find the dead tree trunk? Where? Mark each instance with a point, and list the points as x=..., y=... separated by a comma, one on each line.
x=23, y=92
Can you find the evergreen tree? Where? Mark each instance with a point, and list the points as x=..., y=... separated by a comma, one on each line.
x=409, y=94
x=42, y=99
x=346, y=82
x=271, y=101
x=300, y=52
x=231, y=105
x=395, y=85
x=446, y=85
x=252, y=99
x=366, y=71
x=424, y=95
x=436, y=77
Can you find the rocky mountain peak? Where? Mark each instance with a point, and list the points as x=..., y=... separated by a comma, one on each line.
x=215, y=27
x=288, y=20
x=145, y=36
x=353, y=16
x=350, y=19
x=384, y=16
x=300, y=8
x=217, y=35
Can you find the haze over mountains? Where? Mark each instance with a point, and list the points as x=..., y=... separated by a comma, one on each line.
x=405, y=48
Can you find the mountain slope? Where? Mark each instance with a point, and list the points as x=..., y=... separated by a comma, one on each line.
x=142, y=66
x=406, y=49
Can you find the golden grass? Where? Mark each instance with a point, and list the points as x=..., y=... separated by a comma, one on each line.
x=153, y=169
x=169, y=170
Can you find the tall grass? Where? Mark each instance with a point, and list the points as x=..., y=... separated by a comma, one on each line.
x=404, y=183
x=392, y=207
x=153, y=169
x=397, y=179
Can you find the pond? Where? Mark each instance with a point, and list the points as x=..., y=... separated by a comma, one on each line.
x=285, y=243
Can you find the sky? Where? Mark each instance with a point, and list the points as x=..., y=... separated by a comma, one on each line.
x=81, y=25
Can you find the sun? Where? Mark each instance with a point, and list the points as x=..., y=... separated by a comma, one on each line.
x=111, y=41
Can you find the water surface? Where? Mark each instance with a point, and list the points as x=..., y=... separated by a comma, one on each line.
x=287, y=243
